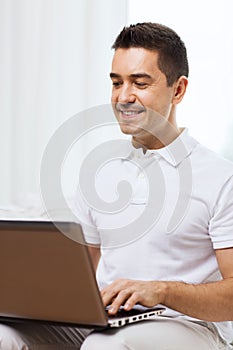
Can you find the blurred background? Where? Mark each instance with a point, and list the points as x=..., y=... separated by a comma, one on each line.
x=55, y=59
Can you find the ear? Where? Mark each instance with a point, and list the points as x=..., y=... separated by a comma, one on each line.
x=180, y=87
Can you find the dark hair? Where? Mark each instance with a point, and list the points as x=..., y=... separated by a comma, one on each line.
x=172, y=60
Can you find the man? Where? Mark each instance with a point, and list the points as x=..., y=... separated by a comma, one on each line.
x=176, y=249
x=183, y=258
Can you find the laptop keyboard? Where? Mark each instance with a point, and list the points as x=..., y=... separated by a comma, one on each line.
x=123, y=313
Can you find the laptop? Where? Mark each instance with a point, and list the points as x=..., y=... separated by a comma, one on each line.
x=48, y=277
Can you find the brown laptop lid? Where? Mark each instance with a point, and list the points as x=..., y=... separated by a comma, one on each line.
x=46, y=276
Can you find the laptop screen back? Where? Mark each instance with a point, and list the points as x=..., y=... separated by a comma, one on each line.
x=47, y=276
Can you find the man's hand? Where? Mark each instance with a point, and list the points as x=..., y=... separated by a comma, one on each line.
x=130, y=292
x=211, y=301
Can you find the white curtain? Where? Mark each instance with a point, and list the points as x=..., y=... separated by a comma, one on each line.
x=54, y=62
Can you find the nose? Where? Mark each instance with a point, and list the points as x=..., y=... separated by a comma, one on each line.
x=126, y=94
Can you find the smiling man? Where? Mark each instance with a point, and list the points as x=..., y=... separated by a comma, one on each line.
x=139, y=86
x=188, y=269
x=173, y=243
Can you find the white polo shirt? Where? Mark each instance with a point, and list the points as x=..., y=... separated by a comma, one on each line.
x=179, y=210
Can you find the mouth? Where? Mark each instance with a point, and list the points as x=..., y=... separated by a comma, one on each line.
x=130, y=112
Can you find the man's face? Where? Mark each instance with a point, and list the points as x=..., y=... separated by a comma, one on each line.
x=139, y=89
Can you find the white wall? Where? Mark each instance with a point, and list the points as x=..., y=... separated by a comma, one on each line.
x=206, y=28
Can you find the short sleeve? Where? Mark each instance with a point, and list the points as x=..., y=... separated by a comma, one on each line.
x=221, y=223
x=84, y=216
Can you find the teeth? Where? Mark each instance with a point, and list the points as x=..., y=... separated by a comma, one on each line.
x=129, y=113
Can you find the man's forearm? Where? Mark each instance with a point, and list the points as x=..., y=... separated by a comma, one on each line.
x=210, y=301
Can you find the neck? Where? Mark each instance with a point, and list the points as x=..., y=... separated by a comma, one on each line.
x=162, y=139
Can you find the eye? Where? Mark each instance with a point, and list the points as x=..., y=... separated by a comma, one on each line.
x=116, y=83
x=140, y=84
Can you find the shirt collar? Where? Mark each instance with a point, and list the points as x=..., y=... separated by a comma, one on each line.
x=174, y=153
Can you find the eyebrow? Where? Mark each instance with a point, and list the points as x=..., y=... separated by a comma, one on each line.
x=136, y=75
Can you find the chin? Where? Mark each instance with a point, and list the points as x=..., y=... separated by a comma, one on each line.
x=129, y=129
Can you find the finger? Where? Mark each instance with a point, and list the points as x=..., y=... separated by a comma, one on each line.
x=132, y=301
x=108, y=297
x=110, y=292
x=118, y=301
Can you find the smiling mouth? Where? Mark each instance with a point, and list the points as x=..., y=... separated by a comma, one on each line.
x=129, y=113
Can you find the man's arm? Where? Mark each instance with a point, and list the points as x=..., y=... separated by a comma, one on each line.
x=95, y=255
x=210, y=301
